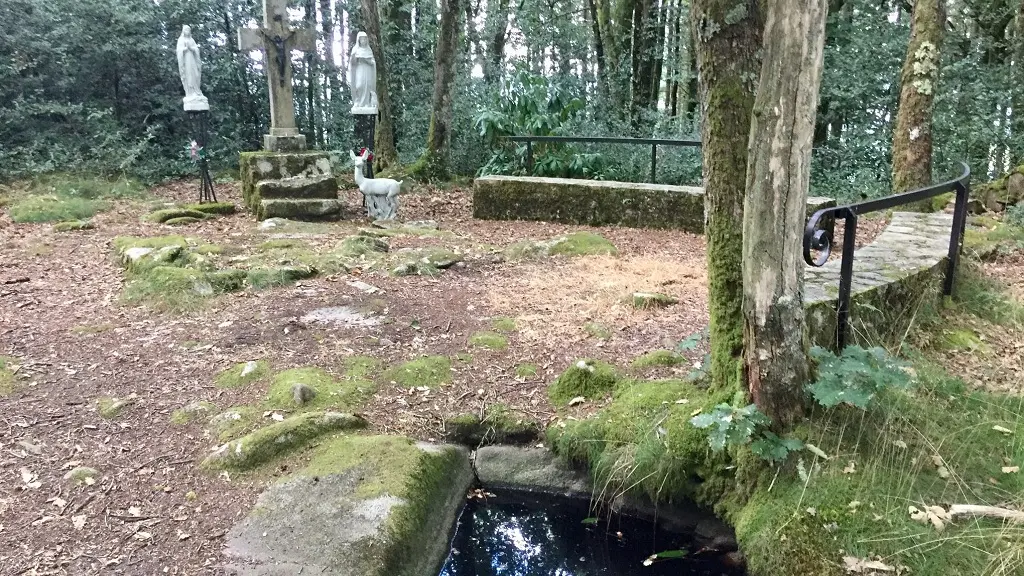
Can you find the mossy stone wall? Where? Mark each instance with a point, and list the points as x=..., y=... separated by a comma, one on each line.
x=595, y=202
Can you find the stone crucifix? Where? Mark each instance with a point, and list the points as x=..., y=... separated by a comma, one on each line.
x=277, y=40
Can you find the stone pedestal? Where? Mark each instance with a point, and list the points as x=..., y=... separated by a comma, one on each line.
x=297, y=185
x=284, y=140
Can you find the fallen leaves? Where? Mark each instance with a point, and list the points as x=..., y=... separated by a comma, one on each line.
x=30, y=479
x=856, y=565
x=78, y=521
x=937, y=516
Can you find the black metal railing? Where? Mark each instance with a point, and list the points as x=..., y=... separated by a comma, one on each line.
x=821, y=239
x=652, y=142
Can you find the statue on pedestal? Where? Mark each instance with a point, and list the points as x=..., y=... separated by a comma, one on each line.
x=362, y=70
x=190, y=69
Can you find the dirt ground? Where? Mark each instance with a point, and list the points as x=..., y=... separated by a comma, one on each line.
x=152, y=511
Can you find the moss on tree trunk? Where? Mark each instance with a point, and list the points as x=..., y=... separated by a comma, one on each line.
x=385, y=153
x=778, y=174
x=912, y=137
x=433, y=164
x=727, y=39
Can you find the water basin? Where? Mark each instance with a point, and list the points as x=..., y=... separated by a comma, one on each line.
x=524, y=534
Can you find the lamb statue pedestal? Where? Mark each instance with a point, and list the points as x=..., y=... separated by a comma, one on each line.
x=284, y=180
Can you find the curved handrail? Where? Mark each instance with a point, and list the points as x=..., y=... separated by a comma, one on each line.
x=820, y=239
x=816, y=237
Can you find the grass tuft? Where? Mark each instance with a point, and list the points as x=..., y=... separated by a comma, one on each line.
x=428, y=371
x=488, y=340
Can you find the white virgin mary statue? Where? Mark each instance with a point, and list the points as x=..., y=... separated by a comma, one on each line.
x=190, y=70
x=362, y=76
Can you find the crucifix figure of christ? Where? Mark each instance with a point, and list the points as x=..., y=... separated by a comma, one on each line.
x=277, y=40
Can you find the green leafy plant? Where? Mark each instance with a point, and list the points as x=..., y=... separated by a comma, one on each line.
x=735, y=426
x=856, y=376
x=1015, y=215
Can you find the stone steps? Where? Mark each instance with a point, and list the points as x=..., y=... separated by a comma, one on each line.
x=300, y=208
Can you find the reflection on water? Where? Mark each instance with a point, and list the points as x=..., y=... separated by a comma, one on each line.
x=516, y=534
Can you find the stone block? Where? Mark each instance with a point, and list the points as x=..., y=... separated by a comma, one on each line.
x=289, y=143
x=300, y=209
x=254, y=167
x=298, y=188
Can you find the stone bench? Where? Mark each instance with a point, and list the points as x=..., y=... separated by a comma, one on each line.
x=892, y=277
x=596, y=202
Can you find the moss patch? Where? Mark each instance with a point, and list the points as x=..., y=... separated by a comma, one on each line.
x=499, y=425
x=587, y=378
x=263, y=278
x=53, y=208
x=428, y=371
x=192, y=412
x=526, y=370
x=73, y=226
x=267, y=443
x=347, y=393
x=242, y=373
x=218, y=208
x=503, y=324
x=596, y=330
x=489, y=340
x=165, y=214
x=575, y=244
x=7, y=383
x=649, y=300
x=659, y=358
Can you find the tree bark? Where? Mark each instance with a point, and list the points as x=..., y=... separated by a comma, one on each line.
x=433, y=164
x=778, y=172
x=912, y=136
x=330, y=69
x=728, y=63
x=498, y=23
x=384, y=152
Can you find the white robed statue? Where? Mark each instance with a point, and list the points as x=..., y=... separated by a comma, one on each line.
x=190, y=69
x=362, y=76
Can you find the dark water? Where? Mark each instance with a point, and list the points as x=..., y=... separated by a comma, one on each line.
x=518, y=534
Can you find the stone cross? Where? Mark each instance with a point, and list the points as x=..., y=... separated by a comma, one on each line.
x=277, y=40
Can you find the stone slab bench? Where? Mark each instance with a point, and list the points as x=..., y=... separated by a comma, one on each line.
x=892, y=277
x=596, y=202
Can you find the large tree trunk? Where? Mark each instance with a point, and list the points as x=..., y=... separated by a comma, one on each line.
x=778, y=172
x=384, y=152
x=728, y=64
x=912, y=136
x=433, y=164
x=1017, y=90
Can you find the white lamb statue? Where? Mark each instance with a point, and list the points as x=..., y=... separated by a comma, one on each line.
x=381, y=193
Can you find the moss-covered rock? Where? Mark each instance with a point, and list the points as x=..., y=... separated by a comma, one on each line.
x=428, y=371
x=499, y=425
x=300, y=209
x=574, y=244
x=489, y=340
x=194, y=411
x=358, y=245
x=597, y=330
x=659, y=358
x=590, y=379
x=73, y=225
x=425, y=261
x=109, y=407
x=182, y=221
x=364, y=506
x=235, y=422
x=180, y=288
x=269, y=442
x=261, y=278
x=163, y=215
x=254, y=167
x=649, y=300
x=82, y=475
x=212, y=208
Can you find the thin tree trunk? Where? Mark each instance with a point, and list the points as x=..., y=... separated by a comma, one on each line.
x=330, y=70
x=498, y=21
x=433, y=165
x=385, y=154
x=727, y=55
x=658, y=39
x=912, y=136
x=691, y=85
x=1017, y=90
x=778, y=173
x=601, y=76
